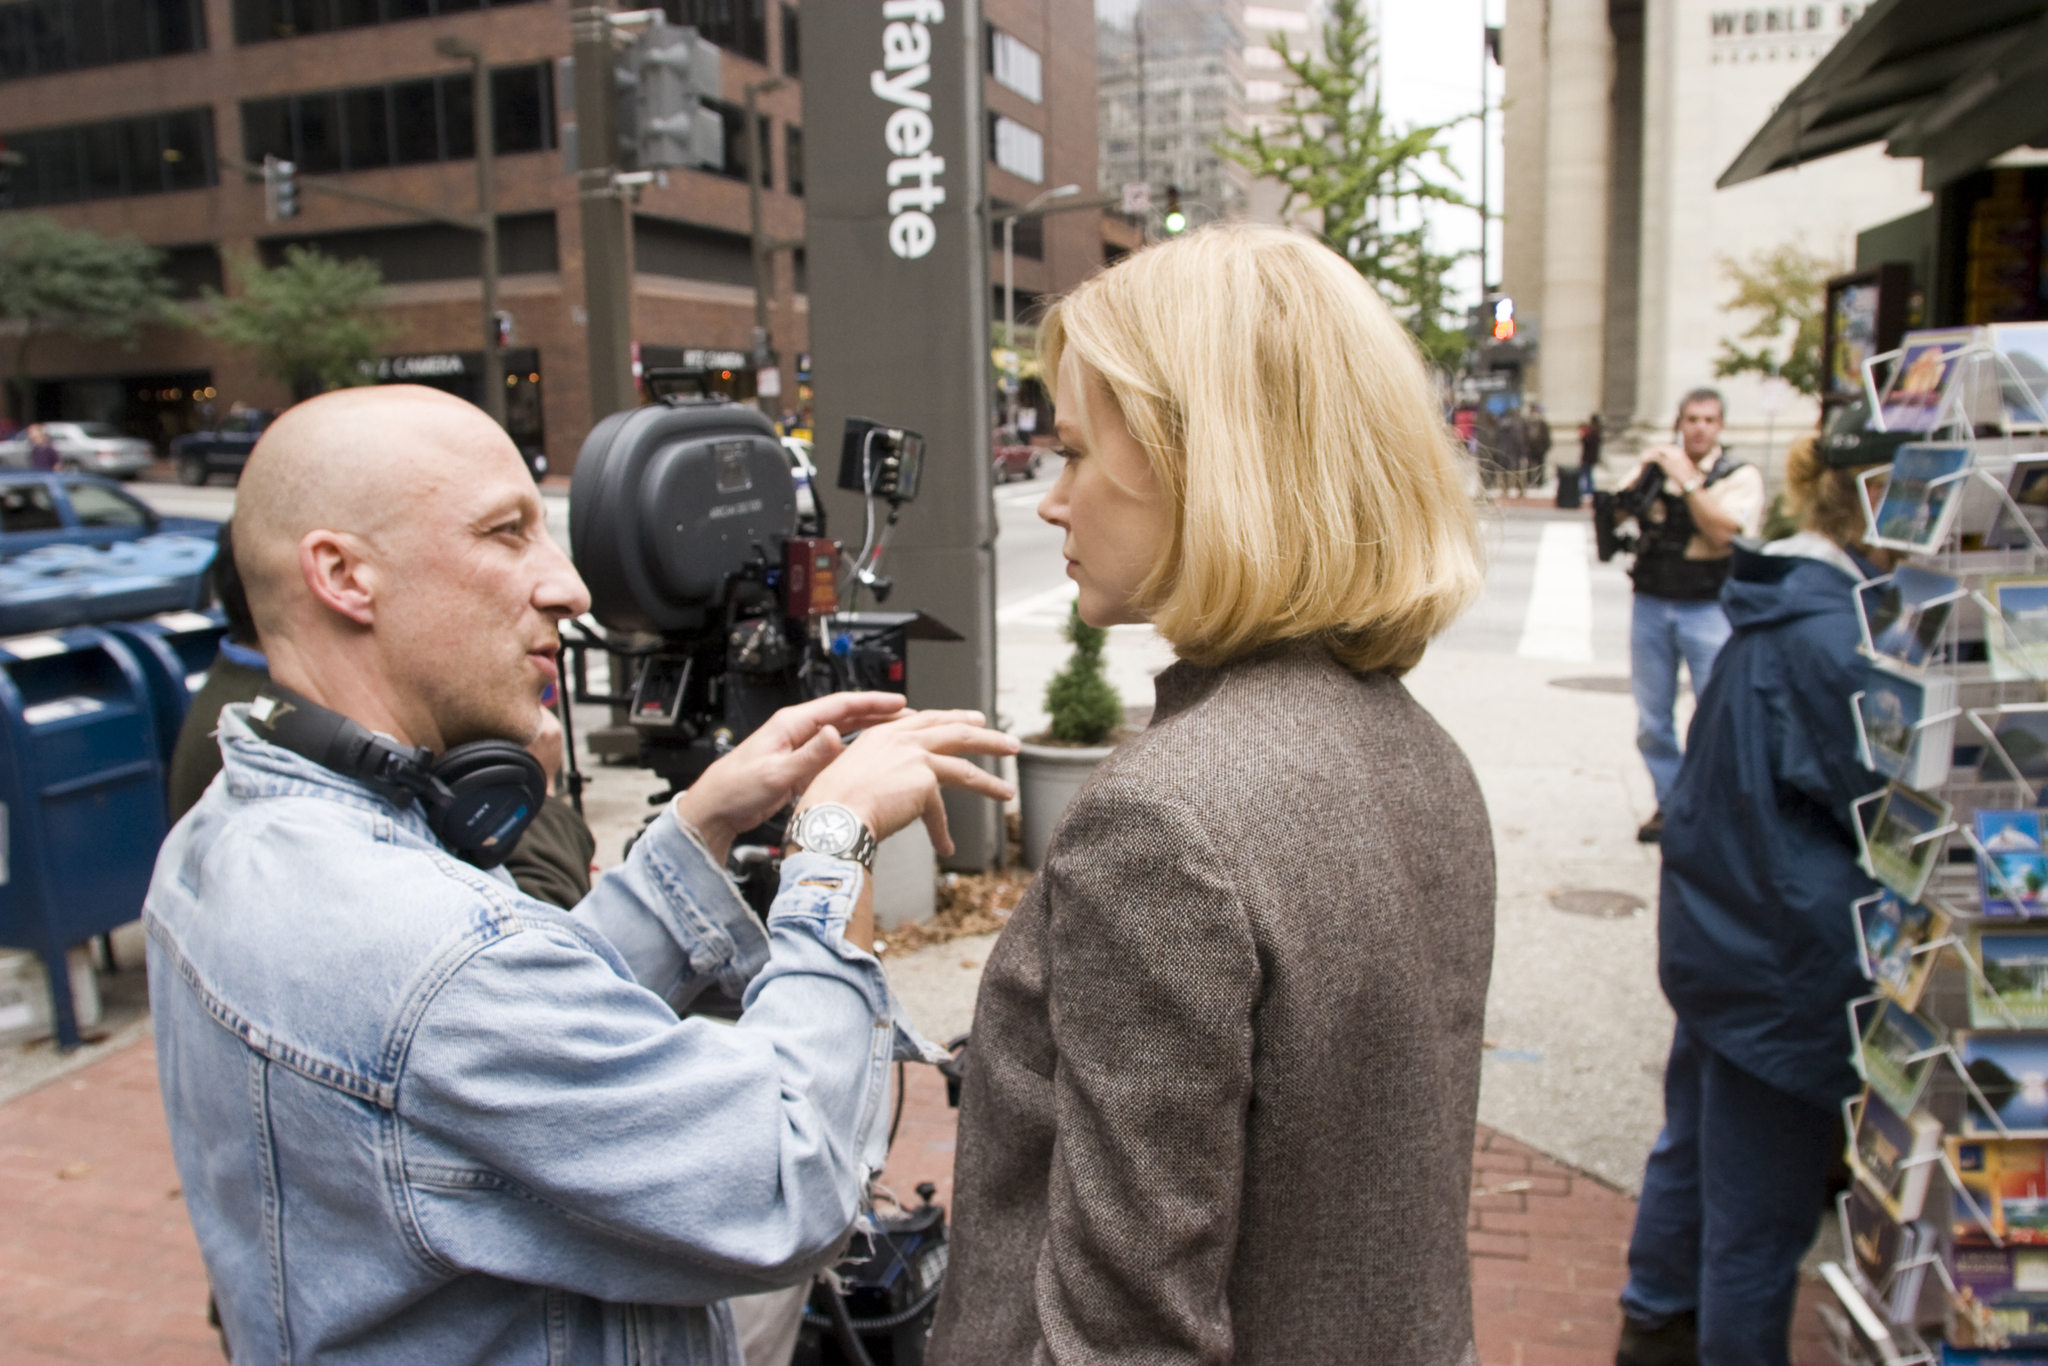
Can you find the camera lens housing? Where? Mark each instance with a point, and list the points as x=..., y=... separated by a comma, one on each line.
x=669, y=503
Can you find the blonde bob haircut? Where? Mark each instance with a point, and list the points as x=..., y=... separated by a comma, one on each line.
x=1317, y=492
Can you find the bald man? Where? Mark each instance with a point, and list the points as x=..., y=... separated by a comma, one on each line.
x=420, y=1117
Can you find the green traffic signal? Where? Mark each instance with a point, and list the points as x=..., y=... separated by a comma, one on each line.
x=1175, y=221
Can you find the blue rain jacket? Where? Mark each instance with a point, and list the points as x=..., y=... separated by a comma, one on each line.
x=1757, y=948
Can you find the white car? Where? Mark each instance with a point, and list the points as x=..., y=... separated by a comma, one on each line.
x=805, y=475
x=94, y=447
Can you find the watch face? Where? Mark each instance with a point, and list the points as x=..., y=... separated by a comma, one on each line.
x=830, y=829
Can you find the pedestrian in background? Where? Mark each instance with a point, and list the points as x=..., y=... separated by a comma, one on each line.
x=1220, y=1099
x=1683, y=544
x=1536, y=442
x=1589, y=452
x=1757, y=953
x=42, y=452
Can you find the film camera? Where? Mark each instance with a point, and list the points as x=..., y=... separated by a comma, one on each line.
x=718, y=607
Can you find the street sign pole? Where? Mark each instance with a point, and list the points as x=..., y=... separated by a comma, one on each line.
x=898, y=254
x=607, y=285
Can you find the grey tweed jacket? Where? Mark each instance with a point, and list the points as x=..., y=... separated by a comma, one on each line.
x=1220, y=1100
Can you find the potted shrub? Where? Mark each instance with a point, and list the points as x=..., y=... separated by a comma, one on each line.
x=1087, y=721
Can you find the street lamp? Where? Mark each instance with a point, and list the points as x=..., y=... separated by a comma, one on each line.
x=461, y=50
x=764, y=265
x=1009, y=255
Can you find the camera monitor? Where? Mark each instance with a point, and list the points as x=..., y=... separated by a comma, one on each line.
x=669, y=504
x=879, y=461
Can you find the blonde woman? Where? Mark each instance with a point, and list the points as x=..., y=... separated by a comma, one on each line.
x=1220, y=1100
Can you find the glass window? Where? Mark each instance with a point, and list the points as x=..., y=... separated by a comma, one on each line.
x=458, y=118
x=142, y=153
x=355, y=13
x=50, y=169
x=92, y=43
x=319, y=128
x=1015, y=65
x=188, y=149
x=739, y=26
x=367, y=127
x=520, y=114
x=792, y=51
x=28, y=507
x=1016, y=149
x=96, y=430
x=416, y=118
x=793, y=158
x=102, y=507
x=50, y=26
x=14, y=43
x=267, y=129
x=102, y=148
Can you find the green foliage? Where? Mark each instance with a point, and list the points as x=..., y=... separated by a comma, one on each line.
x=1083, y=704
x=1340, y=158
x=313, y=322
x=55, y=279
x=1786, y=287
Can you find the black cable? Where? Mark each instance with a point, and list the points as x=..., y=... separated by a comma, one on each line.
x=881, y=1325
x=897, y=1121
x=841, y=1324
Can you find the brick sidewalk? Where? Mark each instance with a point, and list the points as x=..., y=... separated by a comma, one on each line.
x=99, y=1264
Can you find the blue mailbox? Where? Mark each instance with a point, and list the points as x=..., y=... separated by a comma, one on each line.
x=81, y=796
x=175, y=649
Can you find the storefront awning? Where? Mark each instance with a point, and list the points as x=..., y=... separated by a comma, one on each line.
x=1954, y=82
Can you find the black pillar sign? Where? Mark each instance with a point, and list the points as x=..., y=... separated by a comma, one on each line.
x=897, y=247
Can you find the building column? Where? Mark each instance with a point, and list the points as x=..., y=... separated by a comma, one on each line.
x=1525, y=94
x=1578, y=141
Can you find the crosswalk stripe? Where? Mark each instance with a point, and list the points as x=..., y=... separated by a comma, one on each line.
x=1559, y=621
x=1048, y=606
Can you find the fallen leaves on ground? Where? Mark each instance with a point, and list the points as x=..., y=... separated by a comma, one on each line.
x=969, y=904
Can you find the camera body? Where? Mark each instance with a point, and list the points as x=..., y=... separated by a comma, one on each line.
x=683, y=523
x=1610, y=509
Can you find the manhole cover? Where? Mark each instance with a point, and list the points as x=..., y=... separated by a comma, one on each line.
x=1592, y=684
x=1598, y=904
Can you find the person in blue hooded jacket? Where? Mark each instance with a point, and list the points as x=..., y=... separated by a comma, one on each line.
x=1757, y=952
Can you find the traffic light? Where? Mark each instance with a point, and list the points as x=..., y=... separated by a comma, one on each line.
x=1504, y=319
x=1175, y=220
x=280, y=189
x=668, y=73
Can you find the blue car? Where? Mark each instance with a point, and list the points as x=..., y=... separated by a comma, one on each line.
x=79, y=509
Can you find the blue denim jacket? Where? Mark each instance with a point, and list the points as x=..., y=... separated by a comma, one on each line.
x=421, y=1117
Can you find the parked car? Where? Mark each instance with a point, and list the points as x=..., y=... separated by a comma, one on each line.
x=1014, y=456
x=224, y=450
x=805, y=476
x=95, y=447
x=79, y=509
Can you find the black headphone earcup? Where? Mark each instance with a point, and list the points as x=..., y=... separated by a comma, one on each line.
x=495, y=790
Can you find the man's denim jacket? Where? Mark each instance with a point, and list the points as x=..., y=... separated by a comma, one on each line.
x=421, y=1117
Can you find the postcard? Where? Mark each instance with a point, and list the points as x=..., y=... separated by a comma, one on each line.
x=2008, y=1178
x=1905, y=613
x=1898, y=740
x=1857, y=1332
x=2001, y=1298
x=2028, y=488
x=1922, y=498
x=2010, y=1070
x=1903, y=845
x=1882, y=1153
x=1919, y=378
x=2015, y=966
x=1873, y=1237
x=2018, y=640
x=1892, y=932
x=1896, y=1054
x=2018, y=749
x=2025, y=346
x=2012, y=873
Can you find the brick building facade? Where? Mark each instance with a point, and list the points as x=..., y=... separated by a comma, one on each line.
x=127, y=135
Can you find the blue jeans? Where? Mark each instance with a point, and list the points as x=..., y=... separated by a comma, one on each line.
x=1732, y=1197
x=1661, y=632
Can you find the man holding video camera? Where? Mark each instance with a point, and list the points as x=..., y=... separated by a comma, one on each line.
x=417, y=1115
x=1690, y=501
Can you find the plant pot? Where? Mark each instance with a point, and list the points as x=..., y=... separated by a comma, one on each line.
x=1048, y=776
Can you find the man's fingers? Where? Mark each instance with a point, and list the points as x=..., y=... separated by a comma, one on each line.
x=970, y=777
x=843, y=711
x=935, y=824
x=926, y=720
x=963, y=738
x=808, y=761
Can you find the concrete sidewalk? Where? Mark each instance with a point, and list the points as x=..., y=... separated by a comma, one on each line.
x=98, y=1262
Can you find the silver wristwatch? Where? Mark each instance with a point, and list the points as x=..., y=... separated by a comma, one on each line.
x=831, y=829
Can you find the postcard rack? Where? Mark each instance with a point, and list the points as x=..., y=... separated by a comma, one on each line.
x=1945, y=1230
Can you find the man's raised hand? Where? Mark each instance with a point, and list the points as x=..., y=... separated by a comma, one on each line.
x=891, y=775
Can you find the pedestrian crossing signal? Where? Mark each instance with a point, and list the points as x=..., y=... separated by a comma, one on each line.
x=1504, y=320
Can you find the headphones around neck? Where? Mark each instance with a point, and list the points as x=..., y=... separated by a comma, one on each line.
x=478, y=797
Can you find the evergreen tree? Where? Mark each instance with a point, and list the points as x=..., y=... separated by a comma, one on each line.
x=313, y=322
x=1084, y=705
x=55, y=279
x=1345, y=163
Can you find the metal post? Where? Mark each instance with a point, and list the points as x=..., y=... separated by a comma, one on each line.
x=487, y=216
x=1009, y=282
x=607, y=286
x=764, y=262
x=1485, y=178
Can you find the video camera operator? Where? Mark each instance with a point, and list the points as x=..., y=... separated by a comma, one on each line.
x=1690, y=501
x=417, y=1115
